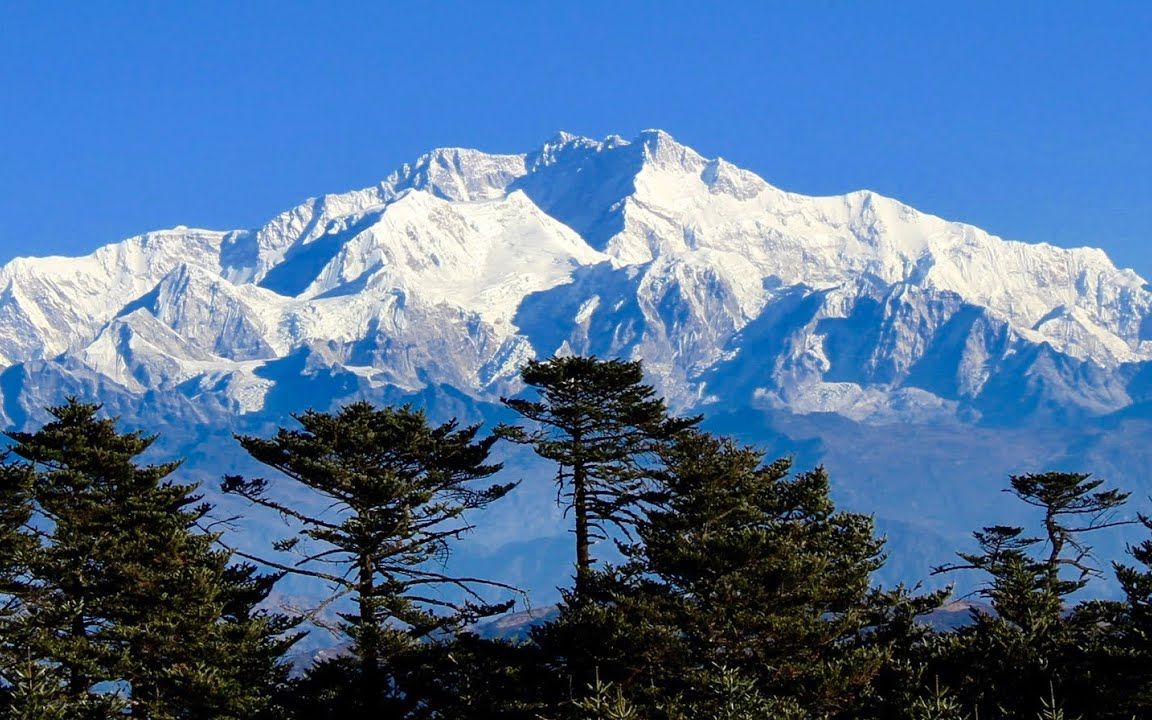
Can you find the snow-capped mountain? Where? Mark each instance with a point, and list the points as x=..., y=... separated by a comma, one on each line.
x=442, y=280
x=460, y=266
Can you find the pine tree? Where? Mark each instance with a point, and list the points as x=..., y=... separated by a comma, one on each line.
x=122, y=590
x=1122, y=662
x=598, y=422
x=396, y=490
x=773, y=581
x=1033, y=645
x=604, y=701
x=937, y=704
x=16, y=544
x=467, y=676
x=741, y=568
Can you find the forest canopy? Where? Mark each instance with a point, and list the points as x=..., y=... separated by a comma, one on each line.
x=739, y=590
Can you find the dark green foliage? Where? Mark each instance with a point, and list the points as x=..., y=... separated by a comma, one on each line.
x=120, y=600
x=472, y=677
x=726, y=694
x=1034, y=646
x=744, y=567
x=744, y=593
x=16, y=543
x=394, y=491
x=772, y=580
x=1121, y=663
x=29, y=682
x=604, y=701
x=461, y=677
x=598, y=422
x=938, y=704
x=1072, y=504
x=618, y=631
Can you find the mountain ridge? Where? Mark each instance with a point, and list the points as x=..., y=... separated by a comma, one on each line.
x=804, y=324
x=713, y=239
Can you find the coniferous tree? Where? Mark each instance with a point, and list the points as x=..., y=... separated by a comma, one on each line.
x=28, y=689
x=742, y=571
x=598, y=422
x=394, y=491
x=473, y=677
x=15, y=541
x=1122, y=663
x=773, y=580
x=124, y=601
x=1034, y=645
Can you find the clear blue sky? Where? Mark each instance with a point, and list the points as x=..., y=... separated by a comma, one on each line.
x=1033, y=120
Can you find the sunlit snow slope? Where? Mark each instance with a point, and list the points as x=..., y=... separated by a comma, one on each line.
x=457, y=268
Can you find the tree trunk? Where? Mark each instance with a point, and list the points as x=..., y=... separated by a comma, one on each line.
x=583, y=541
x=369, y=640
x=77, y=680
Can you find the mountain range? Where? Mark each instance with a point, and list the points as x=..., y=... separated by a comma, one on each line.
x=920, y=360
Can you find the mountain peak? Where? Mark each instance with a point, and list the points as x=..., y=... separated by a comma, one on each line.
x=664, y=150
x=655, y=136
x=471, y=261
x=458, y=174
x=801, y=321
x=564, y=137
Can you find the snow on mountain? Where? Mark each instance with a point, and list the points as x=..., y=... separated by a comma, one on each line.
x=852, y=331
x=53, y=305
x=460, y=266
x=685, y=206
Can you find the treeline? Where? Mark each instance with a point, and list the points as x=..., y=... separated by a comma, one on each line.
x=743, y=593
